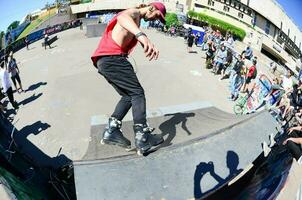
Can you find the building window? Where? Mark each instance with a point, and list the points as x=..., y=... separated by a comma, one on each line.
x=249, y=12
x=275, y=31
x=225, y=8
x=240, y=15
x=267, y=27
x=288, y=32
x=295, y=39
x=281, y=26
x=300, y=46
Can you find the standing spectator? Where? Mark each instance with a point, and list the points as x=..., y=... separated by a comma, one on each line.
x=273, y=67
x=287, y=81
x=197, y=37
x=26, y=42
x=239, y=65
x=210, y=53
x=220, y=59
x=230, y=41
x=252, y=74
x=190, y=42
x=6, y=85
x=14, y=72
x=46, y=41
x=81, y=25
x=229, y=60
x=236, y=83
x=248, y=52
x=204, y=46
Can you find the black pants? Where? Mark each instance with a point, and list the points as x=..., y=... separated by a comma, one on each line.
x=295, y=149
x=16, y=77
x=10, y=96
x=119, y=72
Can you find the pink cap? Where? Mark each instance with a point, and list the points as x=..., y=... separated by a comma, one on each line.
x=161, y=7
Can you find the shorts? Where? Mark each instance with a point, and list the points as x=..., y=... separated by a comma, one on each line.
x=248, y=80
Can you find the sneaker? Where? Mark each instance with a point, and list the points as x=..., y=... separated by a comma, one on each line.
x=113, y=134
x=144, y=140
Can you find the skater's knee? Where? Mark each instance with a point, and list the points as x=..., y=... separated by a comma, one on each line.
x=126, y=98
x=139, y=93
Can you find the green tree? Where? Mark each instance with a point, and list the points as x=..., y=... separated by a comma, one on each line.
x=218, y=24
x=13, y=25
x=171, y=19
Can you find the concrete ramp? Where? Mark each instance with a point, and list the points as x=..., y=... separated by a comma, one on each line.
x=204, y=149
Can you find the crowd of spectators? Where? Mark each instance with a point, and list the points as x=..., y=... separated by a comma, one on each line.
x=241, y=69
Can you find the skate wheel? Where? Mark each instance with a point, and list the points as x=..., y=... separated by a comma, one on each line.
x=140, y=153
x=102, y=141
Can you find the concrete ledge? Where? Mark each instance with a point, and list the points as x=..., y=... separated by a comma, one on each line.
x=95, y=30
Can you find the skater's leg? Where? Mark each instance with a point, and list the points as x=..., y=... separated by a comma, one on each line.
x=122, y=108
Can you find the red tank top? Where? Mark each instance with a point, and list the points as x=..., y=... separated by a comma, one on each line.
x=108, y=46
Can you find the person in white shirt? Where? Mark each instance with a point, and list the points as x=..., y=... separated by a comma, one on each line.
x=14, y=72
x=287, y=81
x=6, y=85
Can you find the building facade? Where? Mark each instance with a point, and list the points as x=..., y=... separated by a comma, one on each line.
x=269, y=29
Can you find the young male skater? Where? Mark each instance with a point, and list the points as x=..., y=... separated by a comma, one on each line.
x=110, y=58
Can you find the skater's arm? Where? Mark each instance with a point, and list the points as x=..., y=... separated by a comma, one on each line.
x=127, y=20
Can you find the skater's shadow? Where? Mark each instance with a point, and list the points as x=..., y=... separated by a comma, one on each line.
x=193, y=52
x=35, y=86
x=169, y=127
x=30, y=99
x=232, y=162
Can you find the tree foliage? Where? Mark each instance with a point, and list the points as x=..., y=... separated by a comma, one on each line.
x=218, y=24
x=171, y=19
x=13, y=25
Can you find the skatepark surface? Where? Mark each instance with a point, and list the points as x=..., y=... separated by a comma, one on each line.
x=65, y=92
x=67, y=105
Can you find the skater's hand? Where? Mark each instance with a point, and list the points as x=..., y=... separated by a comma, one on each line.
x=150, y=51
